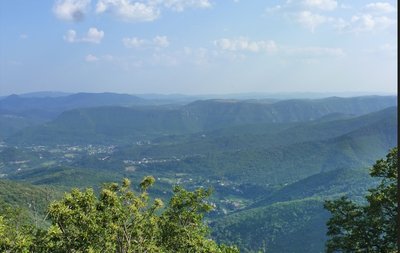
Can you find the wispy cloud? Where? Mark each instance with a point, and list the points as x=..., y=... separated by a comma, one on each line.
x=311, y=14
x=129, y=10
x=326, y=5
x=311, y=20
x=91, y=58
x=145, y=11
x=71, y=10
x=380, y=7
x=70, y=36
x=92, y=36
x=244, y=44
x=181, y=5
x=156, y=43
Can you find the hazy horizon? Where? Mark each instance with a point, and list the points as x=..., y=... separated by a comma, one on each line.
x=243, y=95
x=198, y=46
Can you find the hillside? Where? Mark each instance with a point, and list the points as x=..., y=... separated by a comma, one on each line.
x=256, y=159
x=295, y=213
x=20, y=104
x=271, y=164
x=30, y=199
x=127, y=125
x=20, y=111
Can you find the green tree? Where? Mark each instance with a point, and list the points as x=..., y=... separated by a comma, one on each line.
x=118, y=220
x=16, y=230
x=370, y=227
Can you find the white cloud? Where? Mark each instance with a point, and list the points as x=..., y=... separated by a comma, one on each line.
x=146, y=10
x=71, y=10
x=326, y=5
x=161, y=41
x=368, y=22
x=306, y=12
x=133, y=42
x=181, y=5
x=311, y=20
x=23, y=36
x=91, y=58
x=129, y=10
x=380, y=7
x=70, y=36
x=373, y=17
x=156, y=42
x=93, y=36
x=244, y=44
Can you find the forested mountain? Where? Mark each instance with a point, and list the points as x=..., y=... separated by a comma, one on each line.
x=124, y=125
x=21, y=104
x=271, y=163
x=292, y=214
x=20, y=111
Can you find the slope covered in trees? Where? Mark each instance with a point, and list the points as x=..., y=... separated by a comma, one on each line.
x=118, y=220
x=372, y=226
x=270, y=163
x=129, y=124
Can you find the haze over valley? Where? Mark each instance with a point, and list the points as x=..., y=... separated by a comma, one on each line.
x=198, y=126
x=261, y=157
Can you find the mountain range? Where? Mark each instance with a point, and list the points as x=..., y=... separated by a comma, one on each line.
x=272, y=163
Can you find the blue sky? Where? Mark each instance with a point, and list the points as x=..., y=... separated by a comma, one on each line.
x=198, y=46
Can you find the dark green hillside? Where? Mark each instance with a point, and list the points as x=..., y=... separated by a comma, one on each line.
x=19, y=112
x=32, y=200
x=256, y=136
x=282, y=164
x=314, y=109
x=292, y=214
x=66, y=177
x=12, y=123
x=352, y=182
x=212, y=114
x=9, y=124
x=25, y=195
x=295, y=226
x=275, y=158
x=105, y=125
x=128, y=125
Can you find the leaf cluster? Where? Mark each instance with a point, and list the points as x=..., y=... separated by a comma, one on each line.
x=370, y=227
x=118, y=220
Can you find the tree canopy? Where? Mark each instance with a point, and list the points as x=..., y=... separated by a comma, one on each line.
x=117, y=220
x=371, y=227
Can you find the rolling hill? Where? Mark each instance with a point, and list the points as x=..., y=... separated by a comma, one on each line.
x=128, y=125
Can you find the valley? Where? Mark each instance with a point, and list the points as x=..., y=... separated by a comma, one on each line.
x=270, y=164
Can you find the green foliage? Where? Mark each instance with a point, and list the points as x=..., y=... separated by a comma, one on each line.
x=371, y=227
x=16, y=229
x=30, y=201
x=293, y=226
x=234, y=143
x=118, y=220
x=181, y=227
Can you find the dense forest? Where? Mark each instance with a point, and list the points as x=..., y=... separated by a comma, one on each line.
x=121, y=220
x=272, y=166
